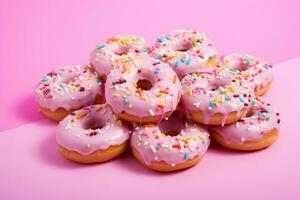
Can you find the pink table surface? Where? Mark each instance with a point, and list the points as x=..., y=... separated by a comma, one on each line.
x=31, y=167
x=36, y=36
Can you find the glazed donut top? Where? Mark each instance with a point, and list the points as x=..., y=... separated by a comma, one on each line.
x=68, y=87
x=123, y=93
x=253, y=69
x=261, y=118
x=187, y=51
x=90, y=129
x=218, y=90
x=105, y=55
x=154, y=144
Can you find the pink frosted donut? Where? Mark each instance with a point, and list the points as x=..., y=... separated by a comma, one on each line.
x=254, y=70
x=143, y=90
x=66, y=89
x=257, y=130
x=105, y=55
x=171, y=145
x=92, y=134
x=187, y=51
x=215, y=96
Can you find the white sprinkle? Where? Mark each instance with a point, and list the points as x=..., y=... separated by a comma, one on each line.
x=196, y=104
x=151, y=112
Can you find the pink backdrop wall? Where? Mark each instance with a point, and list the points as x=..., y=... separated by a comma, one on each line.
x=36, y=36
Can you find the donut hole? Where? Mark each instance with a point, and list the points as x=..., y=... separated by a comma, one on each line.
x=94, y=124
x=183, y=45
x=144, y=84
x=172, y=133
x=173, y=125
x=122, y=50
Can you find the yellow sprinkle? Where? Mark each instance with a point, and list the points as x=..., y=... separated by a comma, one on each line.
x=129, y=92
x=119, y=123
x=217, y=101
x=87, y=145
x=161, y=95
x=159, y=134
x=134, y=83
x=116, y=94
x=161, y=104
x=81, y=115
x=231, y=88
x=186, y=139
x=190, y=92
x=153, y=149
x=129, y=105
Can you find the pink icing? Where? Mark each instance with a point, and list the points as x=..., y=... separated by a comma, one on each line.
x=68, y=87
x=121, y=48
x=187, y=51
x=90, y=129
x=124, y=95
x=212, y=91
x=255, y=70
x=260, y=119
x=154, y=146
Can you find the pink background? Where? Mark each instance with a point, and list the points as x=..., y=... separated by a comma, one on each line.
x=37, y=36
x=33, y=168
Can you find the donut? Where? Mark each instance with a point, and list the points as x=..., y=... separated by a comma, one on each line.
x=255, y=70
x=92, y=134
x=257, y=130
x=105, y=55
x=215, y=96
x=67, y=89
x=144, y=90
x=170, y=145
x=186, y=51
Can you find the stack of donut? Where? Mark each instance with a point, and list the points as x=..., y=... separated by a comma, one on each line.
x=164, y=101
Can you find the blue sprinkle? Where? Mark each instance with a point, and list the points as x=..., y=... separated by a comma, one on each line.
x=161, y=40
x=157, y=148
x=247, y=62
x=185, y=155
x=182, y=60
x=266, y=67
x=92, y=106
x=44, y=80
x=226, y=98
x=261, y=115
x=242, y=100
x=144, y=50
x=159, y=57
x=177, y=63
x=211, y=104
x=188, y=61
x=100, y=46
x=156, y=71
x=125, y=101
x=62, y=86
